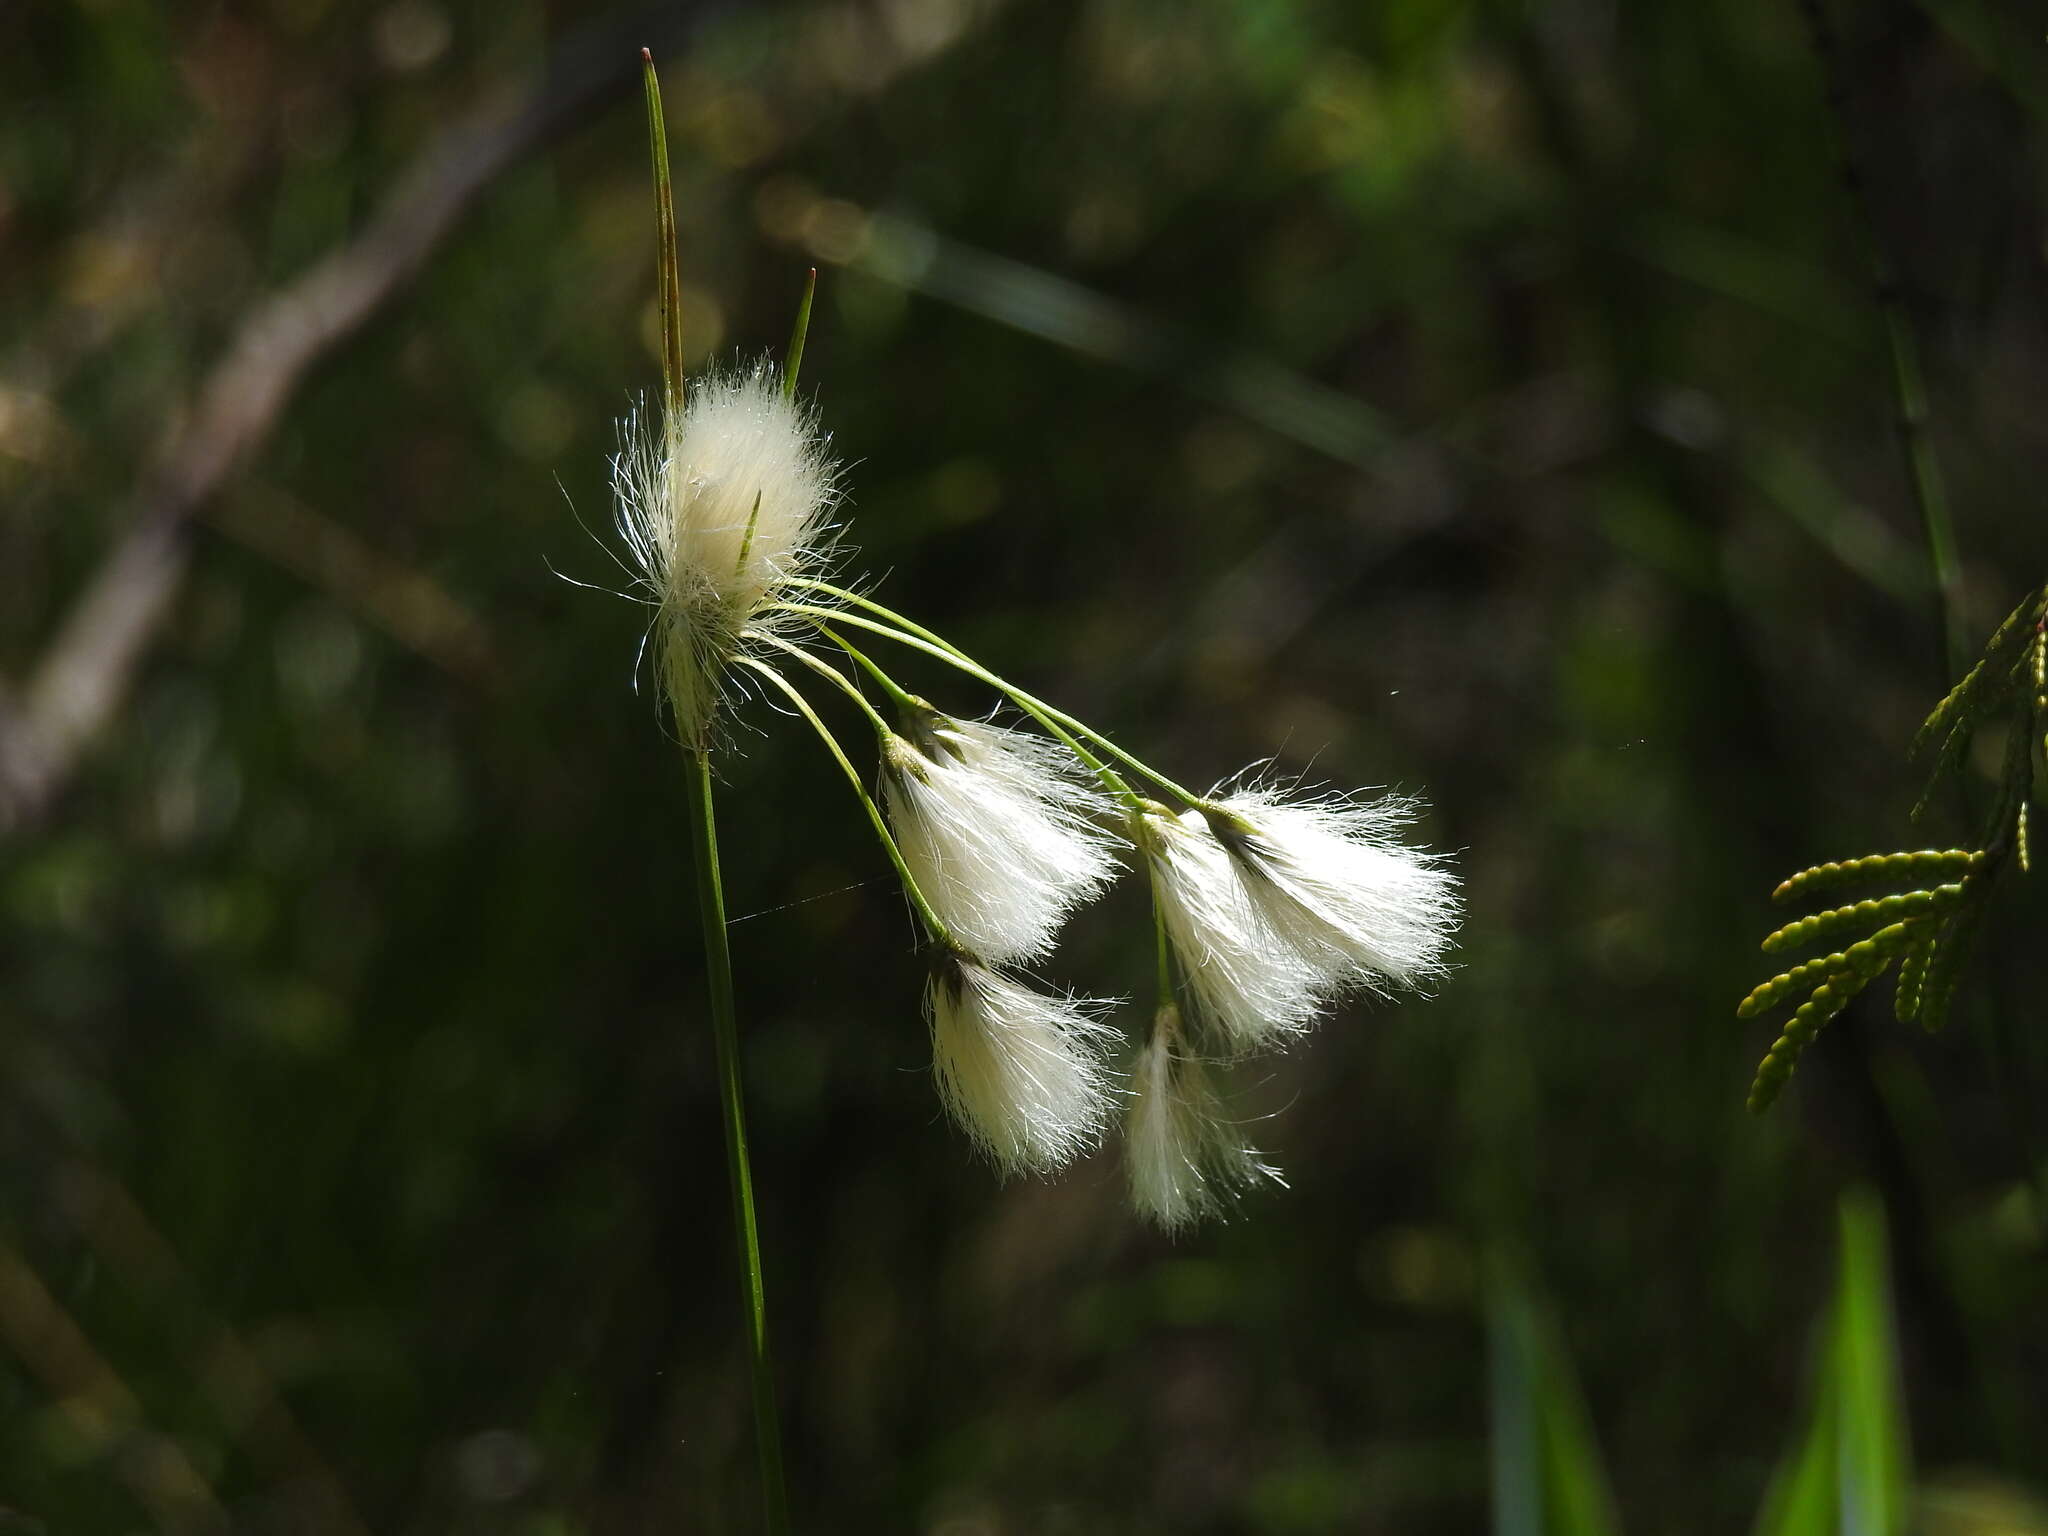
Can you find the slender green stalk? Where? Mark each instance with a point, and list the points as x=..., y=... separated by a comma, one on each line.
x=831, y=674
x=953, y=656
x=1054, y=719
x=1069, y=730
x=897, y=695
x=732, y=1107
x=940, y=933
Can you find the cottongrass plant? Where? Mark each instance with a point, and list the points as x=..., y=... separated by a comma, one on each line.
x=1268, y=906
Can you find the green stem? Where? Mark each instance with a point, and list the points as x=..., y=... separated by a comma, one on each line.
x=1070, y=731
x=732, y=1105
x=831, y=674
x=1049, y=717
x=1044, y=714
x=940, y=933
x=897, y=695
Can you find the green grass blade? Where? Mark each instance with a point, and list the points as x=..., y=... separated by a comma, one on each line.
x=1801, y=1500
x=1873, y=1457
x=1851, y=1473
x=1548, y=1479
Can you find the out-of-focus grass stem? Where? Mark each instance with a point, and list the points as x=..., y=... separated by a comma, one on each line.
x=1909, y=379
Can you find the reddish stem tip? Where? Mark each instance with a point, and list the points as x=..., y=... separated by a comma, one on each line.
x=647, y=55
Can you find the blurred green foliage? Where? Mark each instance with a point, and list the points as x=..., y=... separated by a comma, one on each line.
x=1478, y=397
x=1849, y=1472
x=1853, y=1472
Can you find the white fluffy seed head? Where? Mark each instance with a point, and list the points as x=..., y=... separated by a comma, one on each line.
x=1333, y=879
x=1183, y=1158
x=718, y=510
x=1020, y=1071
x=1247, y=985
x=997, y=831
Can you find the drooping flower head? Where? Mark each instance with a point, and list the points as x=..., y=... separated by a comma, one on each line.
x=1245, y=983
x=1275, y=907
x=1183, y=1158
x=996, y=827
x=1333, y=880
x=1020, y=1071
x=718, y=510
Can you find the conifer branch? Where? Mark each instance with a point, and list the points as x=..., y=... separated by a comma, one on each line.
x=1927, y=931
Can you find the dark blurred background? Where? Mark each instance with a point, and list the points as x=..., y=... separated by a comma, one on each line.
x=1489, y=399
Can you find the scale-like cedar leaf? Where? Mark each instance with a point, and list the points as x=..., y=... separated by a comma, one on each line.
x=1808, y=1019
x=1928, y=862
x=1969, y=697
x=1881, y=911
x=1928, y=932
x=1938, y=986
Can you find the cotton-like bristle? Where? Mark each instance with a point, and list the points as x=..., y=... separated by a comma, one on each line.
x=1247, y=985
x=1333, y=879
x=995, y=829
x=1020, y=1071
x=717, y=510
x=1183, y=1159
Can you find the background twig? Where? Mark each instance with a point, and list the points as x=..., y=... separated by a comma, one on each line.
x=84, y=673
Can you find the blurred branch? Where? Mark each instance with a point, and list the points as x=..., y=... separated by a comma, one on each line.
x=84, y=674
x=406, y=603
x=228, y=1370
x=1857, y=538
x=1746, y=271
x=97, y=1405
x=1053, y=308
x=2001, y=44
